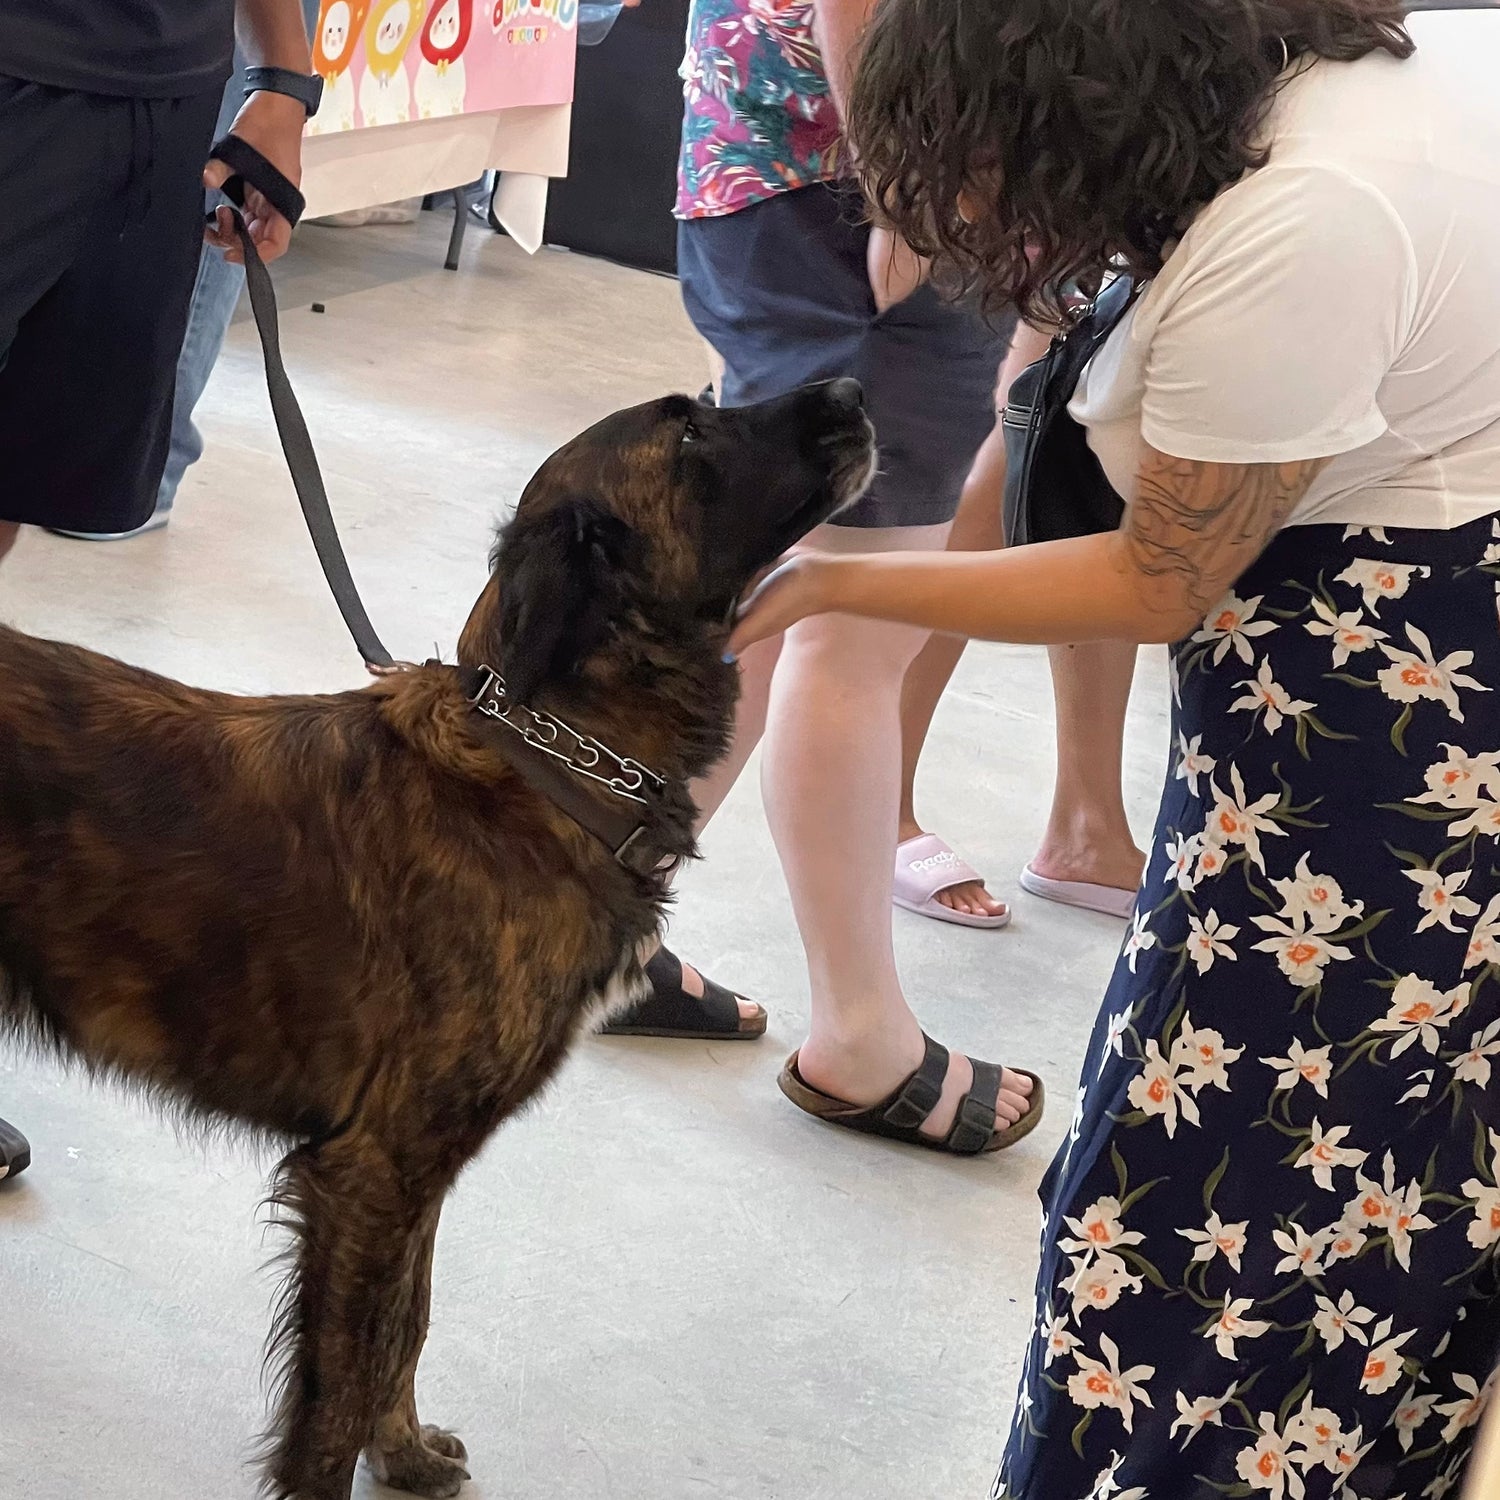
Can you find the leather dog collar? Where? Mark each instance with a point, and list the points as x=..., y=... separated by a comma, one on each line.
x=570, y=769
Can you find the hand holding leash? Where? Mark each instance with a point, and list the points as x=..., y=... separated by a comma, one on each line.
x=270, y=126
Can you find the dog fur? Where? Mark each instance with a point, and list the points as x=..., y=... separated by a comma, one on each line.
x=346, y=924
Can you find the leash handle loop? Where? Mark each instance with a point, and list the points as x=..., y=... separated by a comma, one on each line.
x=291, y=426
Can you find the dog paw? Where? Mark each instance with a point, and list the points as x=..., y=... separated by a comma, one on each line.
x=434, y=1466
x=444, y=1442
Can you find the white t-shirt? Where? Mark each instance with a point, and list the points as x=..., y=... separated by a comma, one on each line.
x=1342, y=300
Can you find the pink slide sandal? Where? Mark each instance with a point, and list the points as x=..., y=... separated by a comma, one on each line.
x=1107, y=900
x=926, y=866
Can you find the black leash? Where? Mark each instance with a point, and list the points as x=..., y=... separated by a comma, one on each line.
x=552, y=757
x=249, y=166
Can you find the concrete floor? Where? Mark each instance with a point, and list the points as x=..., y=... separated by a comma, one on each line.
x=664, y=1283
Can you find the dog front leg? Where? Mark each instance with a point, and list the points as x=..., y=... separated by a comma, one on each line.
x=360, y=1237
x=405, y=1454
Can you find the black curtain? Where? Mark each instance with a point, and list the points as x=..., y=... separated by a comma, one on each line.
x=627, y=115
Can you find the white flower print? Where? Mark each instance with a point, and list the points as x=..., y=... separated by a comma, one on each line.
x=1463, y=1413
x=1411, y=1414
x=1059, y=1341
x=1098, y=1281
x=1344, y=1244
x=1304, y=1251
x=1107, y=1485
x=1337, y=1320
x=1439, y=897
x=1414, y=676
x=1375, y=533
x=1484, y=1231
x=1192, y=762
x=1114, y=1037
x=1204, y=1056
x=1232, y=623
x=1492, y=552
x=1267, y=695
x=1235, y=820
x=1211, y=862
x=1301, y=1064
x=1381, y=580
x=1218, y=1238
x=1350, y=631
x=1383, y=1366
x=1138, y=939
x=1206, y=1411
x=1301, y=954
x=1462, y=780
x=1182, y=857
x=1232, y=1324
x=1484, y=941
x=1158, y=1090
x=1419, y=1011
x=1346, y=1456
x=1208, y=939
x=1326, y=1152
x=1265, y=1466
x=1318, y=1433
x=1474, y=1066
x=1102, y=1383
x=1445, y=1481
x=1382, y=1206
x=1319, y=898
x=1484, y=820
x=1421, y=1088
x=1099, y=1228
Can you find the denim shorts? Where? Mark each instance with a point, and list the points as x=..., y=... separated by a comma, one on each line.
x=781, y=291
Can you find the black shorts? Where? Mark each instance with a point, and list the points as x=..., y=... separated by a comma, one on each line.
x=101, y=224
x=782, y=293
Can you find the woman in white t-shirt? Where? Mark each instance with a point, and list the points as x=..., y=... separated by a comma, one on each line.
x=1270, y=1261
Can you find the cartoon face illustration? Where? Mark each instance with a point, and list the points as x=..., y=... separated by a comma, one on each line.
x=447, y=31
x=389, y=32
x=336, y=35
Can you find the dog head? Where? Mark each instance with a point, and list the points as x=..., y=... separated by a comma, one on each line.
x=653, y=522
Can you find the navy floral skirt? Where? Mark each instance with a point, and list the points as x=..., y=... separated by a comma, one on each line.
x=1269, y=1261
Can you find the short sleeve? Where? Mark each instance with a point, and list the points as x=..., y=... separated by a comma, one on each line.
x=1276, y=321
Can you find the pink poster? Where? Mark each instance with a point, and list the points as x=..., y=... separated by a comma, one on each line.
x=387, y=62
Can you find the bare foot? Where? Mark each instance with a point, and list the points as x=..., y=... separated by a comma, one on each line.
x=1078, y=855
x=971, y=898
x=864, y=1074
x=692, y=984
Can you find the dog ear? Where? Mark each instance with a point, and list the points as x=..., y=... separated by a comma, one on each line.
x=560, y=584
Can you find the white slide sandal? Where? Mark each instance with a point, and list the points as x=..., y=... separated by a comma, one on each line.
x=1107, y=900
x=925, y=867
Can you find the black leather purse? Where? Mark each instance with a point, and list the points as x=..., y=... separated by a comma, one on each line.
x=1054, y=486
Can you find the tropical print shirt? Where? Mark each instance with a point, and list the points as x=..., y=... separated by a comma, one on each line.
x=758, y=118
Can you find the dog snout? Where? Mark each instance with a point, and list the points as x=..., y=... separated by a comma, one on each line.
x=846, y=393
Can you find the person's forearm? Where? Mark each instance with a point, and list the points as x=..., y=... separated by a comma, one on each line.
x=837, y=28
x=273, y=33
x=1051, y=593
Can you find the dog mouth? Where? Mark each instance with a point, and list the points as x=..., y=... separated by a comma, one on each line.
x=856, y=460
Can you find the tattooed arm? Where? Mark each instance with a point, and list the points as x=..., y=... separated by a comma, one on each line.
x=1193, y=529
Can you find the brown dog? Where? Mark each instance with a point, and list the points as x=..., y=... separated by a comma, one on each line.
x=353, y=922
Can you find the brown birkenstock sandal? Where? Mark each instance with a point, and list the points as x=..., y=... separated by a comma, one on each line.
x=901, y=1116
x=668, y=1010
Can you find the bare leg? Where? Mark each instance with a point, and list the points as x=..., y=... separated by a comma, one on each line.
x=976, y=528
x=1088, y=836
x=831, y=778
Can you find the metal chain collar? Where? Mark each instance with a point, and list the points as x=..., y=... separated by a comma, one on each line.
x=581, y=753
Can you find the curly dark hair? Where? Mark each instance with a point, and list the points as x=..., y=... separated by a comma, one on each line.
x=1030, y=144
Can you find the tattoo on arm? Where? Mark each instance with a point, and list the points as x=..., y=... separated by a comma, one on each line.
x=1193, y=528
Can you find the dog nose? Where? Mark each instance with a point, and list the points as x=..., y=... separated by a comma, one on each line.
x=846, y=393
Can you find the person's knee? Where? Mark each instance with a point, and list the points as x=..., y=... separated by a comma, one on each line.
x=852, y=653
